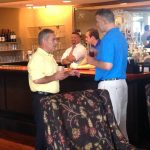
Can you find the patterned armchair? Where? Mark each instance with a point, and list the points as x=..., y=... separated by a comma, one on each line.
x=81, y=120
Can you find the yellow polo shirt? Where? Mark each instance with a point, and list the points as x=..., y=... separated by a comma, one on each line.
x=42, y=64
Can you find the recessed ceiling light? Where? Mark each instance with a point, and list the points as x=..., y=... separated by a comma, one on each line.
x=66, y=1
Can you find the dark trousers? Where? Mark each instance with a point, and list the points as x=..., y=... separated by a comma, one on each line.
x=39, y=121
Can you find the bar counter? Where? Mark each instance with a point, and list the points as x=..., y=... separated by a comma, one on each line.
x=16, y=102
x=82, y=71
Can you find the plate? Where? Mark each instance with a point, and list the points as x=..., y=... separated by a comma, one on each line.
x=86, y=66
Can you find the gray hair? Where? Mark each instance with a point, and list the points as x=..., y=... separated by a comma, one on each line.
x=107, y=14
x=44, y=34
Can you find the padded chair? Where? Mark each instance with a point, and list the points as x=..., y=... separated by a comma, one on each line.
x=82, y=120
x=146, y=64
x=147, y=87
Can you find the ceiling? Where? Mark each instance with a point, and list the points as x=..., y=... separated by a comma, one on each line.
x=22, y=3
x=89, y=4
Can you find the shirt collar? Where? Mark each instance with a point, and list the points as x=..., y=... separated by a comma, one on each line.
x=40, y=50
x=112, y=29
x=98, y=42
x=77, y=44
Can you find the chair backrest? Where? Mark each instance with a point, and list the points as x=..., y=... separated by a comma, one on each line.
x=147, y=59
x=82, y=120
x=147, y=88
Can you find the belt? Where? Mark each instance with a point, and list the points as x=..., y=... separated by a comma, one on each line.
x=110, y=79
x=43, y=93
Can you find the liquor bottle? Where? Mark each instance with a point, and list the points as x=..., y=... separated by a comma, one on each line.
x=9, y=36
x=3, y=36
x=14, y=36
x=6, y=35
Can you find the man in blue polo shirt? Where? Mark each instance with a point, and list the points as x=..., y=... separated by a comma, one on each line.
x=111, y=62
x=92, y=38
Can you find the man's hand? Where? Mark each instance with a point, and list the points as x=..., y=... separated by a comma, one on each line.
x=71, y=58
x=99, y=64
x=68, y=60
x=60, y=75
x=90, y=60
x=74, y=73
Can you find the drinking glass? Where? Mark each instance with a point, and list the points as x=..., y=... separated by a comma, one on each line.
x=90, y=50
x=60, y=68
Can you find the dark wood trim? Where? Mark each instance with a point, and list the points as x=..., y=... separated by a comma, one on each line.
x=113, y=3
x=108, y=3
x=97, y=4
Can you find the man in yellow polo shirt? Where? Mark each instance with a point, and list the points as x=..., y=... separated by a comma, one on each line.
x=44, y=79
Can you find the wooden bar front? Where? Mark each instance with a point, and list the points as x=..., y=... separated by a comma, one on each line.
x=16, y=101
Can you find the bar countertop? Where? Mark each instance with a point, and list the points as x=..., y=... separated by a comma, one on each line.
x=82, y=71
x=13, y=68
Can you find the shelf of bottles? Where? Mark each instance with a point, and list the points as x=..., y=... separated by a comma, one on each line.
x=6, y=35
x=8, y=40
x=10, y=49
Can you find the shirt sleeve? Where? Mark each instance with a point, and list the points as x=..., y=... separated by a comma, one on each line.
x=36, y=71
x=106, y=54
x=65, y=54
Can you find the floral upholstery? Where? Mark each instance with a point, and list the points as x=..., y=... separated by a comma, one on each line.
x=81, y=120
x=147, y=87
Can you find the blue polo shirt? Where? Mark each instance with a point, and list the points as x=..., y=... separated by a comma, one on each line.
x=113, y=49
x=97, y=45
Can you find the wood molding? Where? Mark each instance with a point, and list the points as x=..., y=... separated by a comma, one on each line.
x=116, y=5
